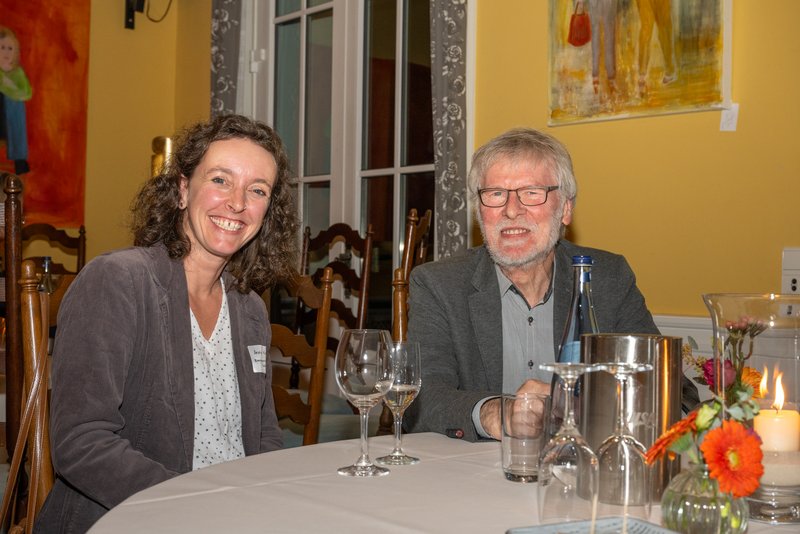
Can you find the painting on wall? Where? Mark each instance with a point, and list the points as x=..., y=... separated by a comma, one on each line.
x=44, y=56
x=617, y=59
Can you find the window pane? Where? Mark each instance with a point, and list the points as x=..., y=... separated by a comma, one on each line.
x=318, y=94
x=417, y=146
x=312, y=3
x=287, y=87
x=316, y=215
x=419, y=194
x=376, y=209
x=379, y=64
x=282, y=7
x=316, y=206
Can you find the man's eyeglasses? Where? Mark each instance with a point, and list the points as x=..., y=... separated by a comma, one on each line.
x=497, y=197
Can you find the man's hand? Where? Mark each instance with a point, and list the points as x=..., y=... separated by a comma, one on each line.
x=527, y=416
x=490, y=411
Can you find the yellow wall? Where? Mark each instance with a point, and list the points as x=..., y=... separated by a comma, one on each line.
x=143, y=83
x=694, y=210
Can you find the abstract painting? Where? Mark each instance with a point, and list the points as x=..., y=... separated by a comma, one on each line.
x=643, y=57
x=44, y=57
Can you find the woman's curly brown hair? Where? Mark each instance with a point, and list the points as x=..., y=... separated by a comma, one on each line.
x=269, y=258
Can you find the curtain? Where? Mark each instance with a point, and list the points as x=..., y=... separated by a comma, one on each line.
x=225, y=17
x=448, y=82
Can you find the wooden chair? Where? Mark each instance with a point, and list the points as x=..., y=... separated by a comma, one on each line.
x=12, y=186
x=34, y=425
x=414, y=253
x=291, y=404
x=415, y=247
x=320, y=245
x=60, y=239
x=351, y=281
x=14, y=236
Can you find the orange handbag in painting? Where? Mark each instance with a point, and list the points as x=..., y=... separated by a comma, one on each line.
x=580, y=29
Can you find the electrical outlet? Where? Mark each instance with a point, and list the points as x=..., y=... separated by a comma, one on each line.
x=790, y=274
x=790, y=282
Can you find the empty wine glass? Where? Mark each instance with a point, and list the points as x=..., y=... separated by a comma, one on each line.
x=405, y=386
x=364, y=374
x=624, y=474
x=568, y=480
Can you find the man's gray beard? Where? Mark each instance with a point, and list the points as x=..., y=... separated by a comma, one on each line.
x=534, y=258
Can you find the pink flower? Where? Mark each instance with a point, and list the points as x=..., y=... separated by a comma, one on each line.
x=728, y=373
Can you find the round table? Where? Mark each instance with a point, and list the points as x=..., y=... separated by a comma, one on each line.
x=457, y=487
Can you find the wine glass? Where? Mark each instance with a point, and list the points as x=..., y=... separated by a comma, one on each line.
x=624, y=474
x=405, y=386
x=568, y=480
x=364, y=375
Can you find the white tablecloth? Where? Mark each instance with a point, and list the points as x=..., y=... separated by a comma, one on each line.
x=457, y=487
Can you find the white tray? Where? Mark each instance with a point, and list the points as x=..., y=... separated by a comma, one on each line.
x=607, y=525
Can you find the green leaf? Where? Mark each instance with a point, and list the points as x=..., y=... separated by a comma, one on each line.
x=682, y=444
x=744, y=394
x=737, y=412
x=692, y=343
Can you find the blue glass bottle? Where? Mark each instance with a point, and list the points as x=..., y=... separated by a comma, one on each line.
x=581, y=318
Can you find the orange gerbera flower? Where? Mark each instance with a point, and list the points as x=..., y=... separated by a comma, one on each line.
x=733, y=455
x=663, y=443
x=752, y=378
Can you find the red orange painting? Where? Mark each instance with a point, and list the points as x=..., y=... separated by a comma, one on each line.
x=640, y=58
x=44, y=57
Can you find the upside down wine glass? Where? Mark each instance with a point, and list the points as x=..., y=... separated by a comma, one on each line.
x=405, y=386
x=568, y=477
x=624, y=479
x=364, y=374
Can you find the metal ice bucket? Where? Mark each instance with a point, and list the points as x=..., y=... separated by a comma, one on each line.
x=653, y=398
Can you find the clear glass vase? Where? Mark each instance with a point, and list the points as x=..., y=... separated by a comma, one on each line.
x=693, y=504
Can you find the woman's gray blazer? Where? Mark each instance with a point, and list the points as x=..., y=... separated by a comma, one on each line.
x=122, y=408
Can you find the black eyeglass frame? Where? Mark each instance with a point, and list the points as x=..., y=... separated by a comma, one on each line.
x=546, y=188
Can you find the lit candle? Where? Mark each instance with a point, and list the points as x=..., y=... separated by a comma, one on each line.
x=778, y=429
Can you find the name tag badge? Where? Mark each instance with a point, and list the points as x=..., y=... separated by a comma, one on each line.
x=258, y=355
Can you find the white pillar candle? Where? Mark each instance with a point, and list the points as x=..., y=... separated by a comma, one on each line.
x=781, y=468
x=779, y=430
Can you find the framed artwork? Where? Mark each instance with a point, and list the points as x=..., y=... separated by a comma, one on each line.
x=618, y=59
x=44, y=57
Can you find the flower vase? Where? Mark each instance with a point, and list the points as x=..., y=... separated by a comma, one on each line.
x=693, y=504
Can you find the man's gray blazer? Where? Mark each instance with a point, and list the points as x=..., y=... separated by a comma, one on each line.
x=455, y=313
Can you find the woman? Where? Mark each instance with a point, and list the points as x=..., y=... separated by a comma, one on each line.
x=160, y=363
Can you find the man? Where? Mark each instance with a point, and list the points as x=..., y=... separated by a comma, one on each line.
x=484, y=319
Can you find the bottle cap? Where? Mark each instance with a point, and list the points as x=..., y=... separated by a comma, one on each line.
x=582, y=260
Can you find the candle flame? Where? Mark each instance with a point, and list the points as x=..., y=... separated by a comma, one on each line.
x=778, y=404
x=762, y=387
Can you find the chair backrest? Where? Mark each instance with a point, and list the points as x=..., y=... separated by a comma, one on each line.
x=290, y=344
x=12, y=186
x=34, y=425
x=415, y=248
x=342, y=270
x=61, y=239
x=415, y=252
x=399, y=306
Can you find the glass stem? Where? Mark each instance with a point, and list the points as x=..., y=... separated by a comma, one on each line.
x=622, y=392
x=364, y=459
x=398, y=434
x=569, y=413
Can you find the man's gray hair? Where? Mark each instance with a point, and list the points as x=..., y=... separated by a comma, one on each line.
x=522, y=144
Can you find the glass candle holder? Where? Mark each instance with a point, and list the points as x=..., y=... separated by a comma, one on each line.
x=757, y=341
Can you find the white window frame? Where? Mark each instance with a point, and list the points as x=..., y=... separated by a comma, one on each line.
x=256, y=99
